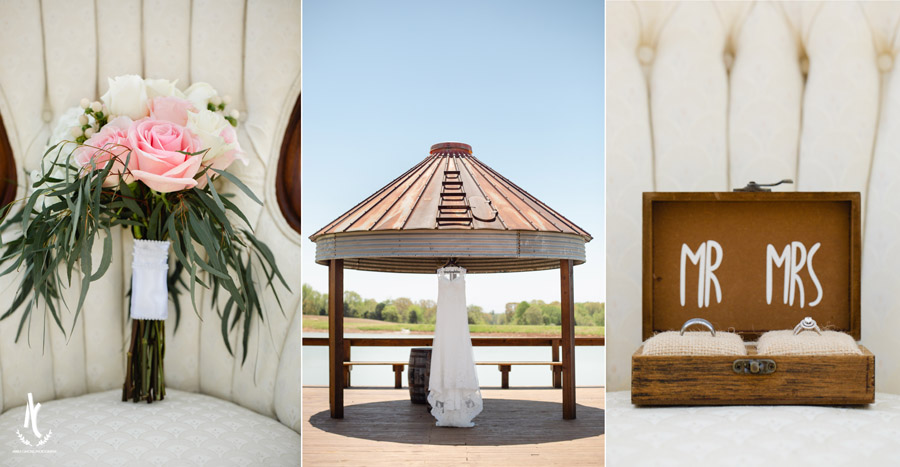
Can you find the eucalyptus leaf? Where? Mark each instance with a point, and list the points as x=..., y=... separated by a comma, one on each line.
x=233, y=179
x=62, y=217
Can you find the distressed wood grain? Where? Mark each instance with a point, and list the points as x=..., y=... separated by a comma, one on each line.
x=806, y=380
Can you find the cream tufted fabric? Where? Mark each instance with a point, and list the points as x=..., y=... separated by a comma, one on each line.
x=52, y=53
x=708, y=96
x=752, y=436
x=185, y=429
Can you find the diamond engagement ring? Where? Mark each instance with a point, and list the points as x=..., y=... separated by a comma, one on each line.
x=808, y=324
x=699, y=321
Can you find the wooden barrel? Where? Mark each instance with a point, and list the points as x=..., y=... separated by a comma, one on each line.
x=419, y=374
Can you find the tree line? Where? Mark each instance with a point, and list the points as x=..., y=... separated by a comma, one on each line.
x=405, y=310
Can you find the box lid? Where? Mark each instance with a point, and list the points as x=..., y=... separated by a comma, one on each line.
x=751, y=262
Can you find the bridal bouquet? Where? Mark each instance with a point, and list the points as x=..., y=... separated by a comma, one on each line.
x=146, y=158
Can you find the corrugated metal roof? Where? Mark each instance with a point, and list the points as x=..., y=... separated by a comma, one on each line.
x=451, y=190
x=424, y=251
x=451, y=206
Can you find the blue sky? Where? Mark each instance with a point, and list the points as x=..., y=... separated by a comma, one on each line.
x=521, y=81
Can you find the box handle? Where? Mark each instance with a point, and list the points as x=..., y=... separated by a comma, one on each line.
x=749, y=366
x=757, y=187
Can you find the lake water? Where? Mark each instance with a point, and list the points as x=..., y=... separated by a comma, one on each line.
x=590, y=364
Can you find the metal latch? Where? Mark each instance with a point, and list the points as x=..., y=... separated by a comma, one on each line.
x=757, y=187
x=754, y=366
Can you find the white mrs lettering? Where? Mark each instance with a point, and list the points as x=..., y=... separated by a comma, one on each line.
x=793, y=258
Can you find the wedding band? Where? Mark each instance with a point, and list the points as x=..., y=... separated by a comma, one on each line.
x=699, y=321
x=808, y=324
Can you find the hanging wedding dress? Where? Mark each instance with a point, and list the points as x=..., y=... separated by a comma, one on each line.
x=453, y=390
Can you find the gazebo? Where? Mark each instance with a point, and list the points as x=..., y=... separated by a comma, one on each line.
x=450, y=206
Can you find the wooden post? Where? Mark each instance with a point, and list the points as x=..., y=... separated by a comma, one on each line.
x=347, y=368
x=556, y=369
x=567, y=303
x=504, y=378
x=336, y=337
x=398, y=376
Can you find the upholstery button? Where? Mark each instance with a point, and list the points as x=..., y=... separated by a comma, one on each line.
x=728, y=58
x=885, y=62
x=645, y=54
x=47, y=116
x=804, y=65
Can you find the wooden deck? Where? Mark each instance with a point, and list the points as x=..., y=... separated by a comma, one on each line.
x=519, y=426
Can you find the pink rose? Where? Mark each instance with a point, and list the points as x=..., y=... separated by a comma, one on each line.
x=111, y=142
x=171, y=109
x=160, y=165
x=230, y=137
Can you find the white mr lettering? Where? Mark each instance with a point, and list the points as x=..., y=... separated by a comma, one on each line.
x=703, y=258
x=793, y=258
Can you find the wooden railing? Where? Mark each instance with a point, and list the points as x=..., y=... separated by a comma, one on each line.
x=504, y=367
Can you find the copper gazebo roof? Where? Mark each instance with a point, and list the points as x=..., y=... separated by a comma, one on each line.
x=451, y=205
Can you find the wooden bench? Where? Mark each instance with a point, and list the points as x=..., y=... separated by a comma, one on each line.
x=504, y=367
x=398, y=371
x=553, y=342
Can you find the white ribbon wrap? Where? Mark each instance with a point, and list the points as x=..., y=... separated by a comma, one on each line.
x=149, y=289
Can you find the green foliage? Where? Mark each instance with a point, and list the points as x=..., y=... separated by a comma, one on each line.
x=71, y=209
x=533, y=316
x=366, y=308
x=352, y=304
x=552, y=313
x=590, y=313
x=499, y=319
x=405, y=310
x=520, y=311
x=403, y=306
x=390, y=313
x=314, y=303
x=477, y=315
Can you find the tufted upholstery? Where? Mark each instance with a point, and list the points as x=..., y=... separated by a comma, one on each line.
x=53, y=52
x=708, y=96
x=796, y=436
x=188, y=429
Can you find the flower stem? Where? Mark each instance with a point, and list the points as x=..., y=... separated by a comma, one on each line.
x=145, y=379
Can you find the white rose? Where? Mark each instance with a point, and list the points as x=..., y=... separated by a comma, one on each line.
x=127, y=95
x=162, y=87
x=199, y=94
x=62, y=132
x=67, y=121
x=208, y=126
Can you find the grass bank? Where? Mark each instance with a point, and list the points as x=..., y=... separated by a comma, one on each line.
x=312, y=323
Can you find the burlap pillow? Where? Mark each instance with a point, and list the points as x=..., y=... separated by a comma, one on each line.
x=695, y=343
x=807, y=343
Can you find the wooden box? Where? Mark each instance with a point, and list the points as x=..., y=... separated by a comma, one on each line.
x=739, y=286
